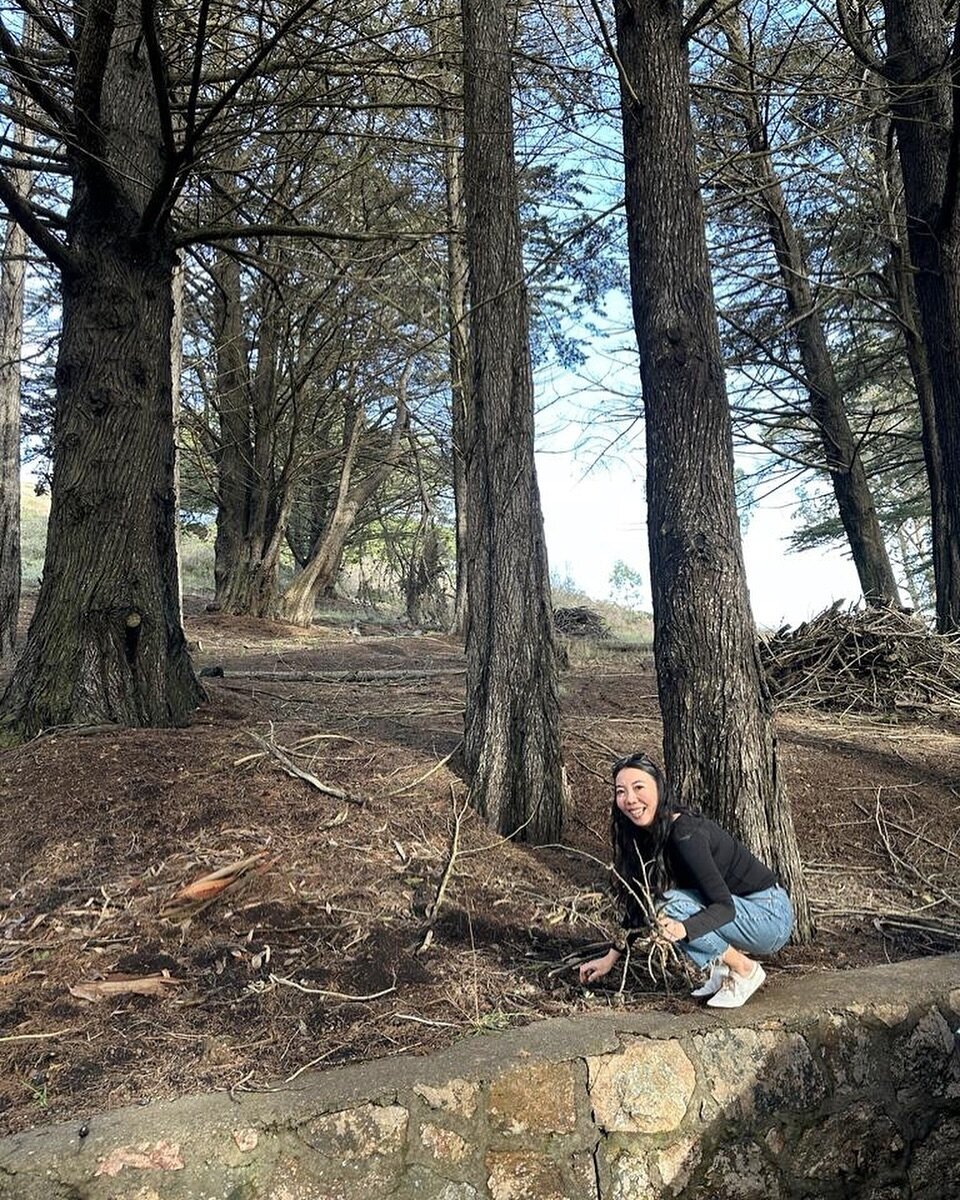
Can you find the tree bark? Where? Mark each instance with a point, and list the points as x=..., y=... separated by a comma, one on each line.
x=106, y=643
x=459, y=355
x=12, y=292
x=11, y=344
x=719, y=744
x=921, y=72
x=511, y=740
x=252, y=503
x=841, y=450
x=900, y=283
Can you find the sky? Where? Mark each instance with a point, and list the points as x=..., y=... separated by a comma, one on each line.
x=594, y=518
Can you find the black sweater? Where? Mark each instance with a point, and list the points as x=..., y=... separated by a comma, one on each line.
x=702, y=857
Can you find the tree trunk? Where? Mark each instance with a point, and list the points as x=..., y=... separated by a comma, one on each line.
x=904, y=297
x=252, y=505
x=918, y=70
x=235, y=452
x=511, y=739
x=719, y=744
x=11, y=343
x=841, y=450
x=106, y=643
x=298, y=602
x=457, y=293
x=12, y=291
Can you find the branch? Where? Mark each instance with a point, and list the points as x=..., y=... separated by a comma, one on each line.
x=164, y=196
x=221, y=233
x=191, y=111
x=50, y=28
x=861, y=50
x=30, y=83
x=155, y=58
x=26, y=217
x=693, y=22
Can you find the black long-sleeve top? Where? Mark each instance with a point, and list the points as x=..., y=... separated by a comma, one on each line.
x=702, y=857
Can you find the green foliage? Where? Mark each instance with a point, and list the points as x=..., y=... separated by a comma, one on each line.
x=196, y=564
x=34, y=511
x=626, y=584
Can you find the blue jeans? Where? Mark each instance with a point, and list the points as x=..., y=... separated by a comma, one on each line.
x=762, y=923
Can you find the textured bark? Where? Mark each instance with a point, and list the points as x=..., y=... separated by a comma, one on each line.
x=12, y=291
x=840, y=446
x=511, y=739
x=719, y=744
x=11, y=342
x=904, y=297
x=252, y=504
x=106, y=642
x=918, y=71
x=457, y=293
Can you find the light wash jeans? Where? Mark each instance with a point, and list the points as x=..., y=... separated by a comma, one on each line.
x=762, y=924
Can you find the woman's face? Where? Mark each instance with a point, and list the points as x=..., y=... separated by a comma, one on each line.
x=635, y=794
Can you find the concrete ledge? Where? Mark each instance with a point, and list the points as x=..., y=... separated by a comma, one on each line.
x=819, y=1082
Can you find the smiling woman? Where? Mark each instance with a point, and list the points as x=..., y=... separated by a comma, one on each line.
x=714, y=898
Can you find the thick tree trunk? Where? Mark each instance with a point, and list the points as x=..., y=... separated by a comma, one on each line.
x=106, y=643
x=252, y=505
x=841, y=449
x=918, y=72
x=511, y=740
x=719, y=744
x=904, y=297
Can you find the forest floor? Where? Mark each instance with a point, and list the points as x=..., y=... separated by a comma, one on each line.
x=325, y=953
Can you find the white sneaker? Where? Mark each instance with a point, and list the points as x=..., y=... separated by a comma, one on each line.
x=714, y=981
x=737, y=989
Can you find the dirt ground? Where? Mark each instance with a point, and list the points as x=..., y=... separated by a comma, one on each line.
x=324, y=952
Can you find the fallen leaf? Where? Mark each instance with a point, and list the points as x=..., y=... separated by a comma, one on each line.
x=119, y=985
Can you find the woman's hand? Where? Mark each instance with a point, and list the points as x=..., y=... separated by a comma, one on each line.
x=598, y=967
x=673, y=931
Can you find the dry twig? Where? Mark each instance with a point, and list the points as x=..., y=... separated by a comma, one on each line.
x=291, y=768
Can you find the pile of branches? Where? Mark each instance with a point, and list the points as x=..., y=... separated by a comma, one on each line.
x=871, y=660
x=580, y=623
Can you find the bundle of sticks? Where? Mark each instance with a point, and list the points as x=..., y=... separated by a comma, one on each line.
x=864, y=660
x=580, y=623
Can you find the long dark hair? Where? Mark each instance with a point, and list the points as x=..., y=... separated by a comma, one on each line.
x=638, y=854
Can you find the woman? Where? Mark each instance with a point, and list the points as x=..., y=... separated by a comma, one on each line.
x=715, y=900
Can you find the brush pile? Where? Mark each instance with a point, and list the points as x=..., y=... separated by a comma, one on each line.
x=871, y=660
x=580, y=623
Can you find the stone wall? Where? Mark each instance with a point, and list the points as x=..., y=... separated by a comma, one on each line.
x=837, y=1085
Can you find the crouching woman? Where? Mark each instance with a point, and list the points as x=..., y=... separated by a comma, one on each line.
x=714, y=899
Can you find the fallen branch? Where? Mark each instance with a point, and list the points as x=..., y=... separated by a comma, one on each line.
x=348, y=676
x=35, y=1037
x=304, y=741
x=436, y=767
x=291, y=768
x=434, y=907
x=301, y=987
